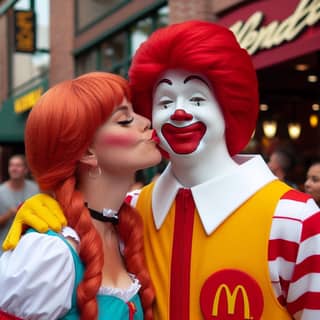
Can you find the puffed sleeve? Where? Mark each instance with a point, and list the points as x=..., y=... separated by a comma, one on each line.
x=37, y=278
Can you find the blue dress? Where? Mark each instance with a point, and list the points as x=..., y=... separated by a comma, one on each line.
x=109, y=307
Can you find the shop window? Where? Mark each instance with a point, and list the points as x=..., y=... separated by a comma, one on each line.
x=87, y=62
x=89, y=12
x=28, y=67
x=140, y=32
x=162, y=17
x=121, y=70
x=115, y=52
x=143, y=28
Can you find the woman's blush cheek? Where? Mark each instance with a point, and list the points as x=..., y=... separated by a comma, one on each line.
x=118, y=140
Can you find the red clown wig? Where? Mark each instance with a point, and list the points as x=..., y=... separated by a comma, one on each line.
x=205, y=48
x=59, y=130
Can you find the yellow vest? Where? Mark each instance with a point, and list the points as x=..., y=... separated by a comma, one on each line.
x=236, y=251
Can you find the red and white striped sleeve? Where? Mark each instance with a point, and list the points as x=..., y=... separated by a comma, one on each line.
x=294, y=255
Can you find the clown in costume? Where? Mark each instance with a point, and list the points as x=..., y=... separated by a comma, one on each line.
x=84, y=143
x=224, y=238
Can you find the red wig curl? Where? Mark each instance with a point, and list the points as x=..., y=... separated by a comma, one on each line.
x=205, y=48
x=59, y=131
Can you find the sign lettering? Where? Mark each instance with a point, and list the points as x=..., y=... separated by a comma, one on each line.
x=27, y=101
x=25, y=35
x=253, y=37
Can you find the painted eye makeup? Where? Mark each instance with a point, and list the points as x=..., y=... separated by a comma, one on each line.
x=197, y=100
x=164, y=103
x=125, y=122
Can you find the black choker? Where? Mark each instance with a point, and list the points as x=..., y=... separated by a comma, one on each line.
x=107, y=215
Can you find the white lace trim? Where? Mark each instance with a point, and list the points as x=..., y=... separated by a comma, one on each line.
x=123, y=294
x=68, y=232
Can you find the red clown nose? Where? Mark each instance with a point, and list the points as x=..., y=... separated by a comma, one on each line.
x=181, y=115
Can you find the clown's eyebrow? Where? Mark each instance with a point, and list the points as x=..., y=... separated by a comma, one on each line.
x=192, y=77
x=167, y=81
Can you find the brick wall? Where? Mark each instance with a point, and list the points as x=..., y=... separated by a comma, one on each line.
x=182, y=10
x=3, y=58
x=61, y=40
x=222, y=5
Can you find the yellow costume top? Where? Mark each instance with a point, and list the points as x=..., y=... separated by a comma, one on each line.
x=223, y=275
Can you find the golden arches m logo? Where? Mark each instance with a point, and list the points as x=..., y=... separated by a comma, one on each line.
x=231, y=294
x=231, y=300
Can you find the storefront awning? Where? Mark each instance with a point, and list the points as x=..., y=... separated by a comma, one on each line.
x=11, y=124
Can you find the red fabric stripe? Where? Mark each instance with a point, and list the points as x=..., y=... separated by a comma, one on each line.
x=7, y=316
x=284, y=286
x=309, y=300
x=132, y=310
x=309, y=265
x=181, y=256
x=286, y=218
x=282, y=300
x=311, y=226
x=281, y=248
x=296, y=196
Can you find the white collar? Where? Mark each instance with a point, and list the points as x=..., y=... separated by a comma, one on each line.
x=217, y=198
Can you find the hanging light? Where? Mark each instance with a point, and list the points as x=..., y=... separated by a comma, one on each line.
x=316, y=107
x=269, y=128
x=294, y=130
x=264, y=107
x=312, y=78
x=313, y=120
x=302, y=67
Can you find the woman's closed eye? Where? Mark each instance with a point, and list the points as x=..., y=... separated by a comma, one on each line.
x=125, y=122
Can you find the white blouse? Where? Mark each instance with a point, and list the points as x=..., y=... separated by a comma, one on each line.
x=37, y=278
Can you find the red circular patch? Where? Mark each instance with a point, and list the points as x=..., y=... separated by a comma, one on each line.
x=231, y=295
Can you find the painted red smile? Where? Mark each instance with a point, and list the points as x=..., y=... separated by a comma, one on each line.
x=186, y=139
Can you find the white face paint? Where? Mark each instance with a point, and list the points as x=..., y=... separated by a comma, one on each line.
x=186, y=114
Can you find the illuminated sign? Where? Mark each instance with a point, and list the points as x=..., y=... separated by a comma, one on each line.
x=231, y=300
x=254, y=37
x=25, y=31
x=28, y=100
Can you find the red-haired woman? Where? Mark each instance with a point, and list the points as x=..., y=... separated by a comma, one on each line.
x=84, y=144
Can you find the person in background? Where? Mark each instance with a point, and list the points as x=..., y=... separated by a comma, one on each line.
x=84, y=144
x=280, y=163
x=14, y=191
x=312, y=183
